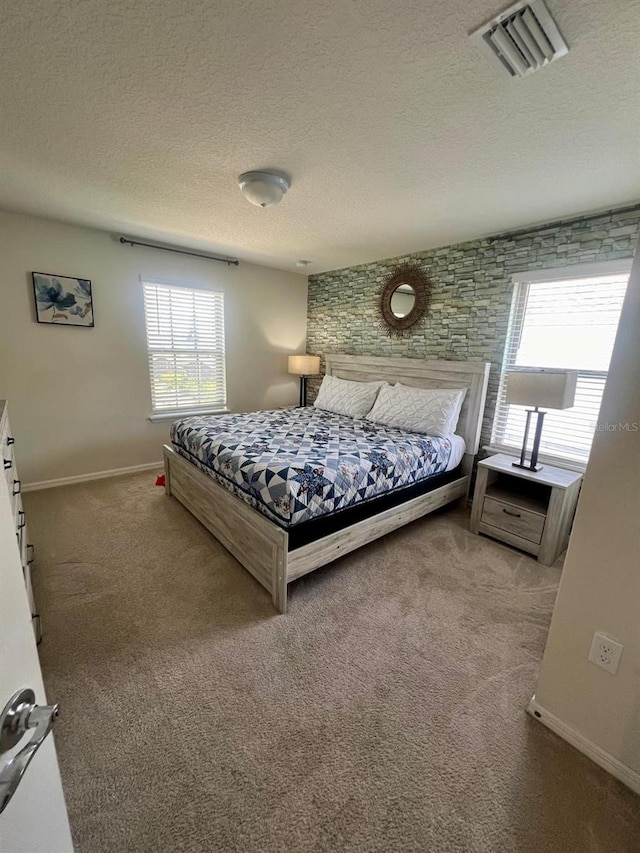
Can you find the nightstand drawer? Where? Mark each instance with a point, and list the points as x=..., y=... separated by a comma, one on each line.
x=521, y=522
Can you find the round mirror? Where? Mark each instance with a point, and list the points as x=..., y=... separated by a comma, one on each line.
x=402, y=300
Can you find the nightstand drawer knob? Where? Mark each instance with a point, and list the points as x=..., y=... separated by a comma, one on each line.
x=510, y=512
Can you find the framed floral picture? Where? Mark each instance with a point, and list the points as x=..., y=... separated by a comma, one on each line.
x=64, y=300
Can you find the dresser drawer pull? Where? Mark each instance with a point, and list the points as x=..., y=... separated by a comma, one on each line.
x=21, y=519
x=510, y=512
x=37, y=627
x=31, y=554
x=17, y=485
x=7, y=464
x=10, y=440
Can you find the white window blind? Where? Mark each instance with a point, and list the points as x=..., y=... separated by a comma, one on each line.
x=185, y=339
x=564, y=324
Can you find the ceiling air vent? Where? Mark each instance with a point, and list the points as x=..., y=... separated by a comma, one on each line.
x=523, y=38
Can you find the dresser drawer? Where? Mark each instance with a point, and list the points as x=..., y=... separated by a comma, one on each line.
x=8, y=459
x=26, y=571
x=521, y=522
x=21, y=524
x=27, y=551
x=7, y=442
x=15, y=488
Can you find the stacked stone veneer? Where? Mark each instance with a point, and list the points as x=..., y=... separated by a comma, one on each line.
x=470, y=298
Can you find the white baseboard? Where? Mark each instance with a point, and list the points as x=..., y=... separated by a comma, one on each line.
x=607, y=761
x=96, y=475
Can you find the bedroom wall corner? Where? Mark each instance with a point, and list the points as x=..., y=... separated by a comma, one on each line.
x=600, y=586
x=79, y=397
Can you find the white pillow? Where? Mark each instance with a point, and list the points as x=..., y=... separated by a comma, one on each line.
x=433, y=411
x=343, y=397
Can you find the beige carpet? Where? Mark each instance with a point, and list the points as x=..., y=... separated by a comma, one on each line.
x=385, y=712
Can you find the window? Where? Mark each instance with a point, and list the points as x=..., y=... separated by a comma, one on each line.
x=564, y=320
x=185, y=339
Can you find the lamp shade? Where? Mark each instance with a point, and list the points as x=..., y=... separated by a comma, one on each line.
x=304, y=365
x=550, y=389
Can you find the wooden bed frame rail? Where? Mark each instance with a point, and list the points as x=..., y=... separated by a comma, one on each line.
x=263, y=547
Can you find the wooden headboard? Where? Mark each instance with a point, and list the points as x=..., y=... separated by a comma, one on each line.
x=473, y=375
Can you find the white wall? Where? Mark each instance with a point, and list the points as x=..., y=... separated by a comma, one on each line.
x=79, y=398
x=600, y=586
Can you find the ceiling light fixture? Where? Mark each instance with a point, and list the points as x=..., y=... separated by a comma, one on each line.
x=302, y=263
x=263, y=188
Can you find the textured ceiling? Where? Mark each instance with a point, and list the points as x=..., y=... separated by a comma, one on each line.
x=398, y=133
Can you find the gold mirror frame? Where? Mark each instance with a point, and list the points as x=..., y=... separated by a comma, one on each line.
x=415, y=276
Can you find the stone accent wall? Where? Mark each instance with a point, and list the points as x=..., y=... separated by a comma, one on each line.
x=470, y=298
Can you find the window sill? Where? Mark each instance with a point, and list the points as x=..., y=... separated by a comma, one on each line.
x=185, y=413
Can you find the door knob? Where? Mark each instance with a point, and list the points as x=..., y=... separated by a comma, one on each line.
x=19, y=715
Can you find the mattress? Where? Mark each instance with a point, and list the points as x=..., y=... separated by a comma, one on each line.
x=294, y=465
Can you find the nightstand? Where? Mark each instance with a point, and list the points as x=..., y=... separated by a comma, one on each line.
x=531, y=510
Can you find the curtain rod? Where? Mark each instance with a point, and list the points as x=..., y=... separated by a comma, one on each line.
x=228, y=261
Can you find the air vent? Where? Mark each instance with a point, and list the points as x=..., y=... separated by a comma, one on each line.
x=523, y=38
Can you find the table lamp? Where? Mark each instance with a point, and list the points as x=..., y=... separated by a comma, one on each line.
x=303, y=366
x=553, y=389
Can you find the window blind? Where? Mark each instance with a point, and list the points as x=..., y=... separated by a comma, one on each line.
x=185, y=340
x=564, y=324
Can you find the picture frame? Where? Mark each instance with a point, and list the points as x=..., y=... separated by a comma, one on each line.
x=62, y=300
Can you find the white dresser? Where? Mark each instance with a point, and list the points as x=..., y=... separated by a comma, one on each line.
x=13, y=485
x=35, y=819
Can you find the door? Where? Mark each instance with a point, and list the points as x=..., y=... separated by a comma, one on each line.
x=34, y=820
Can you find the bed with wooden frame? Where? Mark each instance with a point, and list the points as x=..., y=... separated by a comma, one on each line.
x=262, y=546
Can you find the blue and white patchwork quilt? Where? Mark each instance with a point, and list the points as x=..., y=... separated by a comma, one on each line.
x=297, y=464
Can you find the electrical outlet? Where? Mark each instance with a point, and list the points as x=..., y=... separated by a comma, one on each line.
x=605, y=652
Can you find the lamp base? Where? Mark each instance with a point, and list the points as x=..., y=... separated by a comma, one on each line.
x=533, y=461
x=527, y=467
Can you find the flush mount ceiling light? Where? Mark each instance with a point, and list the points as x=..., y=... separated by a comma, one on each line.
x=263, y=188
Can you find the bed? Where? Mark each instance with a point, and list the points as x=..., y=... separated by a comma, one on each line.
x=311, y=486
